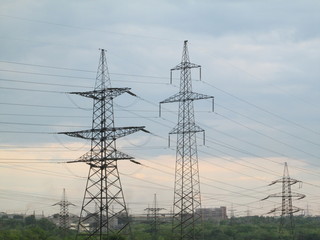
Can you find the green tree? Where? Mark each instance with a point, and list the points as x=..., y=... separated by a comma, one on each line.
x=30, y=220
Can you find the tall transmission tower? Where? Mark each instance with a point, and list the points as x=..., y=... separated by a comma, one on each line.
x=287, y=209
x=154, y=212
x=187, y=184
x=104, y=210
x=64, y=204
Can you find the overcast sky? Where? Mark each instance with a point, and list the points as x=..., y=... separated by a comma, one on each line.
x=260, y=60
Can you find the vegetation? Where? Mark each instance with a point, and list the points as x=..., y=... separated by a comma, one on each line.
x=246, y=228
x=31, y=229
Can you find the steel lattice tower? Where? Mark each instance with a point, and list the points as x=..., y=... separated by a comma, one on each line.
x=64, y=204
x=187, y=185
x=287, y=209
x=104, y=210
x=153, y=211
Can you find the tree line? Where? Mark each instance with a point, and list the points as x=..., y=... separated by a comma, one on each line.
x=244, y=228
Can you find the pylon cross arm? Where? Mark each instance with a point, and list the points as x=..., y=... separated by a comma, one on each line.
x=298, y=195
x=64, y=203
x=111, y=133
x=107, y=92
x=70, y=204
x=193, y=129
x=295, y=209
x=290, y=211
x=288, y=180
x=185, y=65
x=124, y=131
x=90, y=158
x=182, y=96
x=291, y=195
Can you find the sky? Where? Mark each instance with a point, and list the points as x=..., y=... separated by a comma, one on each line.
x=260, y=60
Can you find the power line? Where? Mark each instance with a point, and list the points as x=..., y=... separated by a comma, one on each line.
x=260, y=157
x=267, y=136
x=243, y=151
x=210, y=185
x=73, y=69
x=162, y=186
x=42, y=83
x=224, y=116
x=87, y=29
x=47, y=66
x=66, y=107
x=241, y=164
x=42, y=115
x=142, y=180
x=157, y=169
x=40, y=124
x=27, y=162
x=89, y=78
x=39, y=105
x=25, y=132
x=269, y=126
x=30, y=90
x=224, y=189
x=279, y=88
x=262, y=109
x=216, y=113
x=45, y=74
x=54, y=160
x=39, y=171
x=256, y=145
x=146, y=76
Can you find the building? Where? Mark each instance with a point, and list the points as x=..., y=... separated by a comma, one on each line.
x=213, y=214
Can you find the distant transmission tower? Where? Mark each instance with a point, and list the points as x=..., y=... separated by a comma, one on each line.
x=187, y=185
x=154, y=212
x=232, y=210
x=64, y=204
x=287, y=209
x=103, y=211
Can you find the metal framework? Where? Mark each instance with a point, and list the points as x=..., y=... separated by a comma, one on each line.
x=104, y=210
x=187, y=185
x=64, y=204
x=287, y=209
x=153, y=215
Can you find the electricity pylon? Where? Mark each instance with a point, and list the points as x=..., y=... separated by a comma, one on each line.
x=187, y=184
x=64, y=204
x=287, y=209
x=154, y=216
x=104, y=210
